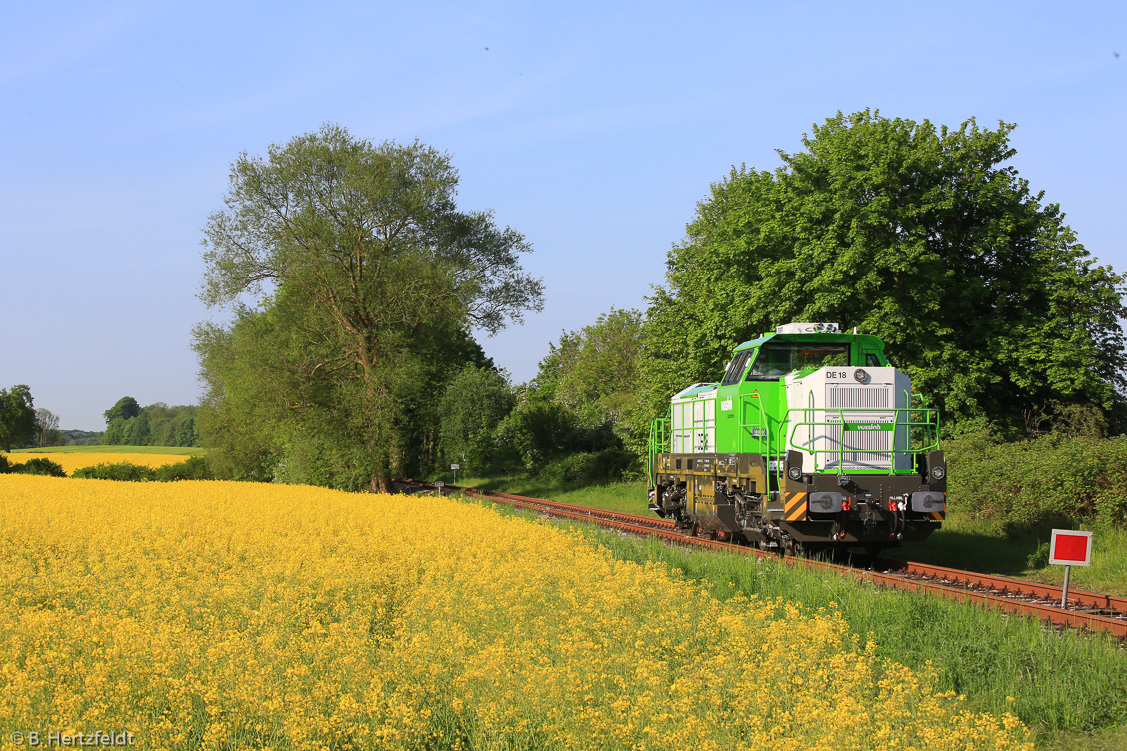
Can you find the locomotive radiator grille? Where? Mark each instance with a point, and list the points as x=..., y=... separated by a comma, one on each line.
x=841, y=396
x=863, y=449
x=866, y=449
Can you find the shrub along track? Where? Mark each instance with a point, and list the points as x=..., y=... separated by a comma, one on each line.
x=1085, y=610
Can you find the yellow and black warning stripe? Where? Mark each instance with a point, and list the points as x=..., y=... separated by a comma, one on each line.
x=794, y=506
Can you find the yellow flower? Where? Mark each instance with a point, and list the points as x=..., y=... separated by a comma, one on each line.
x=217, y=614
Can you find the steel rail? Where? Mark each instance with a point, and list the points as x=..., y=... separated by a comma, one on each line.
x=1049, y=592
x=640, y=519
x=934, y=581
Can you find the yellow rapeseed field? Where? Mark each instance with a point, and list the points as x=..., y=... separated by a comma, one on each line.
x=228, y=615
x=77, y=460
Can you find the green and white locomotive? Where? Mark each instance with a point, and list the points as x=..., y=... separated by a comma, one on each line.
x=811, y=440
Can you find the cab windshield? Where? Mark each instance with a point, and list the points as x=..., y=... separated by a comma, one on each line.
x=736, y=367
x=776, y=359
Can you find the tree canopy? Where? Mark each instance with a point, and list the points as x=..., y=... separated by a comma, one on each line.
x=125, y=408
x=17, y=417
x=921, y=235
x=473, y=405
x=594, y=371
x=154, y=425
x=47, y=428
x=354, y=278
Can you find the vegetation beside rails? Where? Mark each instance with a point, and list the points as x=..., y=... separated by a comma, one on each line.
x=1051, y=479
x=1071, y=689
x=977, y=545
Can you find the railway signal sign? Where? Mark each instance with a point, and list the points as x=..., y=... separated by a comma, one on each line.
x=1069, y=548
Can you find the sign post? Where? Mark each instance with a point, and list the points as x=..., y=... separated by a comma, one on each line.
x=1068, y=549
x=455, y=467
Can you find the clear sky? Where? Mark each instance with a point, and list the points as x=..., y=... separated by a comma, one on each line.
x=594, y=128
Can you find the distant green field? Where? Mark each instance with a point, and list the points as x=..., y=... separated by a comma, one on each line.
x=171, y=450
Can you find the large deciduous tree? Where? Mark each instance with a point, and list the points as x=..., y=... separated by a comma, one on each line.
x=354, y=276
x=123, y=409
x=924, y=236
x=17, y=417
x=46, y=428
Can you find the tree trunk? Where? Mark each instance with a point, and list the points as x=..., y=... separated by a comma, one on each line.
x=381, y=483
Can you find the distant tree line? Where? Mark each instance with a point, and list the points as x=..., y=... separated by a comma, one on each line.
x=24, y=426
x=81, y=437
x=129, y=424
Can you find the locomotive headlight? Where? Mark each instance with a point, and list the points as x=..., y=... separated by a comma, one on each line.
x=938, y=472
x=795, y=473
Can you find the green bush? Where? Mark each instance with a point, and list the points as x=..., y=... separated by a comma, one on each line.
x=536, y=432
x=608, y=465
x=39, y=466
x=195, y=468
x=312, y=461
x=5, y=467
x=123, y=471
x=1047, y=480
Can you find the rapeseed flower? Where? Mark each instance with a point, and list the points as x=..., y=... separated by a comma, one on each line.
x=233, y=615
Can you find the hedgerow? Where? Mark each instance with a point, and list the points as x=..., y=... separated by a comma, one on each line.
x=194, y=468
x=1050, y=479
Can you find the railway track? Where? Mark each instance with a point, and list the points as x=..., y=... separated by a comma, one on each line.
x=1085, y=610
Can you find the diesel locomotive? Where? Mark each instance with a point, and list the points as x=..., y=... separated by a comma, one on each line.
x=811, y=440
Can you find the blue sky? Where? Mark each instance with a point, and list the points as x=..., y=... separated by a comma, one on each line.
x=592, y=128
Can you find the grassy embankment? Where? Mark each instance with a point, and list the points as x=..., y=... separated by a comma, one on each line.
x=1071, y=689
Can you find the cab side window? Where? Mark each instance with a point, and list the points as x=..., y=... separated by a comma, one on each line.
x=872, y=361
x=736, y=367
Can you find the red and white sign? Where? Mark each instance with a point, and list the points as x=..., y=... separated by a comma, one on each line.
x=1069, y=548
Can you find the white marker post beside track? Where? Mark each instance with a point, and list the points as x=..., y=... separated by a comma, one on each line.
x=1069, y=548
